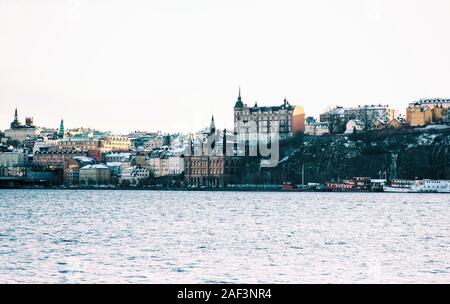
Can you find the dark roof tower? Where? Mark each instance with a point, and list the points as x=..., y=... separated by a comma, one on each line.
x=212, y=126
x=239, y=104
x=15, y=124
x=61, y=129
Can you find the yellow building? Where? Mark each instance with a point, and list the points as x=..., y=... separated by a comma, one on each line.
x=396, y=123
x=438, y=114
x=115, y=144
x=425, y=111
x=419, y=116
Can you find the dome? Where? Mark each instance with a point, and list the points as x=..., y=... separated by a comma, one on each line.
x=298, y=110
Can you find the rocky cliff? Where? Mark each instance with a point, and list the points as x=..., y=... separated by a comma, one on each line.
x=404, y=153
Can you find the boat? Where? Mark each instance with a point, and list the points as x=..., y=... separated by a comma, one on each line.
x=433, y=186
x=418, y=186
x=399, y=186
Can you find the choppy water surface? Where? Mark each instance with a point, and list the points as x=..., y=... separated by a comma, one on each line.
x=223, y=237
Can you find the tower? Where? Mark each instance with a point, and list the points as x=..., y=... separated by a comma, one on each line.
x=15, y=124
x=239, y=104
x=61, y=129
x=212, y=126
x=238, y=109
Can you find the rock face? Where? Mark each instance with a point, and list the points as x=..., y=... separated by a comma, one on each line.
x=404, y=153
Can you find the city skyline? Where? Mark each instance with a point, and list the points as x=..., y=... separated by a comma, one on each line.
x=170, y=66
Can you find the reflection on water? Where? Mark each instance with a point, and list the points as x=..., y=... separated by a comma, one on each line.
x=222, y=237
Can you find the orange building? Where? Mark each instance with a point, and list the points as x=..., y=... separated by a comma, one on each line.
x=298, y=120
x=438, y=114
x=419, y=116
x=425, y=111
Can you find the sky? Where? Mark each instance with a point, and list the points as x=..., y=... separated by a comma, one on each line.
x=169, y=65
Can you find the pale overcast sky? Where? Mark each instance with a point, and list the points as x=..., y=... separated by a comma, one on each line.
x=168, y=65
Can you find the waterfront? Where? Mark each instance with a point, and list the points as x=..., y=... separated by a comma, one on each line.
x=56, y=236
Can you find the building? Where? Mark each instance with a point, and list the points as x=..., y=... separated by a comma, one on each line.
x=115, y=144
x=13, y=163
x=158, y=163
x=98, y=174
x=175, y=163
x=298, y=120
x=216, y=171
x=314, y=128
x=117, y=157
x=396, y=123
x=135, y=175
x=56, y=159
x=369, y=115
x=353, y=126
x=380, y=123
x=285, y=120
x=418, y=114
x=72, y=171
x=14, y=158
x=431, y=103
x=20, y=132
x=81, y=142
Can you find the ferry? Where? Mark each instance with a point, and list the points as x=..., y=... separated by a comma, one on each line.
x=418, y=186
x=399, y=185
x=427, y=185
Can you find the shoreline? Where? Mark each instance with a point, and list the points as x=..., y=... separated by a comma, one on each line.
x=212, y=190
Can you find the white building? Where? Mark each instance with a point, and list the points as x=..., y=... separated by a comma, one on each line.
x=117, y=157
x=21, y=134
x=14, y=158
x=354, y=125
x=135, y=174
x=176, y=162
x=317, y=128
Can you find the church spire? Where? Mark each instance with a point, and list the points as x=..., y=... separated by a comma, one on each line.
x=15, y=124
x=61, y=129
x=212, y=126
x=239, y=103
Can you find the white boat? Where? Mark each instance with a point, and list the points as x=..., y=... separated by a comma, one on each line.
x=428, y=185
x=418, y=186
x=399, y=186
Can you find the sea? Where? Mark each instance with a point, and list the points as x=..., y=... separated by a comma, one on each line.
x=139, y=236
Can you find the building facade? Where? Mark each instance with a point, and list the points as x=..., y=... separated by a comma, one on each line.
x=95, y=175
x=135, y=175
x=353, y=126
x=20, y=132
x=314, y=128
x=284, y=120
x=56, y=159
x=214, y=172
x=13, y=163
x=418, y=116
x=338, y=117
x=115, y=144
x=14, y=158
x=426, y=111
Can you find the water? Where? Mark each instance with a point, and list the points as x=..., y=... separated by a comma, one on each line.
x=223, y=237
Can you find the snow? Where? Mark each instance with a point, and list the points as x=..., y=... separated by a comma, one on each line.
x=98, y=166
x=426, y=139
x=283, y=160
